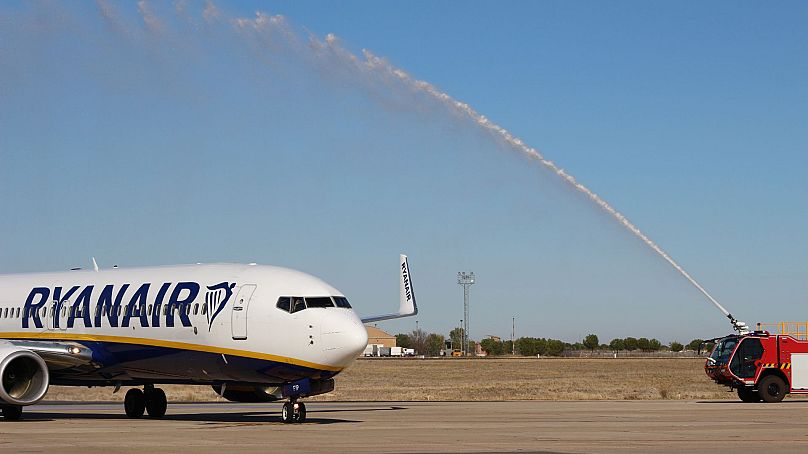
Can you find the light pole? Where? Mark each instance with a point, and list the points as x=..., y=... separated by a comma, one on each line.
x=462, y=338
x=466, y=280
x=513, y=331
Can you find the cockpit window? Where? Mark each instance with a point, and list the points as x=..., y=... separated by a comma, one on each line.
x=285, y=303
x=294, y=304
x=298, y=304
x=723, y=349
x=324, y=301
x=342, y=302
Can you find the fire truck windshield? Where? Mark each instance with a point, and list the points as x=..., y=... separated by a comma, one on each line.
x=723, y=349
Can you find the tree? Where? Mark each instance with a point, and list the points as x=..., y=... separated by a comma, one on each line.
x=403, y=340
x=694, y=344
x=555, y=347
x=507, y=347
x=527, y=346
x=418, y=341
x=591, y=342
x=433, y=344
x=644, y=344
x=617, y=345
x=654, y=345
x=492, y=347
x=630, y=343
x=456, y=335
x=676, y=346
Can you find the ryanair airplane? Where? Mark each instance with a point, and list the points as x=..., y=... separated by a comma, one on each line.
x=254, y=333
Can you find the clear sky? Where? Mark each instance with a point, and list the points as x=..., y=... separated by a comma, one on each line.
x=158, y=133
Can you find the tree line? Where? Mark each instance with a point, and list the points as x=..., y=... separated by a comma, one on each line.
x=431, y=344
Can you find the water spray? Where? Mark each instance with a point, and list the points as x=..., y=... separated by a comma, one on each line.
x=384, y=68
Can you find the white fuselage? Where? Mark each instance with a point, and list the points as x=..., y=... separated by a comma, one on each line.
x=185, y=324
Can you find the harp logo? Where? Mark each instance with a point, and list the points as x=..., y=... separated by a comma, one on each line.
x=216, y=299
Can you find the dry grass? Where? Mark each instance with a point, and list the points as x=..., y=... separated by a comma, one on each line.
x=489, y=379
x=527, y=379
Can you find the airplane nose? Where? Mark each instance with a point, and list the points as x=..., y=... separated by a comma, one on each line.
x=344, y=338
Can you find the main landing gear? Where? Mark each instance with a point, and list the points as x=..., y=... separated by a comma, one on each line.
x=293, y=412
x=11, y=412
x=151, y=400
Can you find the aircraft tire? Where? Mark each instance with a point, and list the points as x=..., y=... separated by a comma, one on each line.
x=748, y=395
x=12, y=412
x=300, y=415
x=286, y=412
x=156, y=403
x=134, y=404
x=772, y=389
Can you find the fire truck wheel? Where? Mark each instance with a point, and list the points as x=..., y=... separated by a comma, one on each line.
x=772, y=389
x=748, y=395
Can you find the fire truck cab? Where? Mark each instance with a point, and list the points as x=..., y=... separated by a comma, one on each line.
x=760, y=366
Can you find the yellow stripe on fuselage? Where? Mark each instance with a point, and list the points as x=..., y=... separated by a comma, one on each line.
x=169, y=344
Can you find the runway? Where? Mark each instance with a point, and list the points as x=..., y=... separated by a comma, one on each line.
x=419, y=427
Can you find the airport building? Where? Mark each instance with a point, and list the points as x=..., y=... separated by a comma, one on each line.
x=379, y=337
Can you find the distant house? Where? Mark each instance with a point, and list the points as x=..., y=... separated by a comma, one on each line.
x=379, y=337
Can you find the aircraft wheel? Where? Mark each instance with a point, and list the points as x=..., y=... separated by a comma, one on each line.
x=134, y=404
x=299, y=412
x=12, y=412
x=156, y=403
x=748, y=395
x=286, y=412
x=772, y=389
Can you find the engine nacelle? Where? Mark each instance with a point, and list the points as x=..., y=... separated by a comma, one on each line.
x=24, y=377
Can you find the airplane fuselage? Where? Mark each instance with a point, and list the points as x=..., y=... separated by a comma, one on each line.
x=196, y=324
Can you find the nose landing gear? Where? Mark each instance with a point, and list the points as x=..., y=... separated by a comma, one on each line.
x=293, y=412
x=152, y=400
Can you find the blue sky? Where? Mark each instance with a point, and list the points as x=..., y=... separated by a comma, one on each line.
x=189, y=141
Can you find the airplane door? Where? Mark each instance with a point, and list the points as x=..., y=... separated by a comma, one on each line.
x=240, y=307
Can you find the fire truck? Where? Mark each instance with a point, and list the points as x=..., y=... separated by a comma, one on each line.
x=760, y=365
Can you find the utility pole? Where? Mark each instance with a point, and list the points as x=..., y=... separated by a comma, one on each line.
x=466, y=280
x=513, y=331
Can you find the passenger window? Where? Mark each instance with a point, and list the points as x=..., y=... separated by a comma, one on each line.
x=342, y=302
x=196, y=308
x=18, y=312
x=204, y=309
x=298, y=304
x=324, y=301
x=284, y=303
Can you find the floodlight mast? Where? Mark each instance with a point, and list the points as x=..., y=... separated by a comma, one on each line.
x=466, y=280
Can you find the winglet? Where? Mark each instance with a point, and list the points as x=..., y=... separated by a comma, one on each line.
x=406, y=306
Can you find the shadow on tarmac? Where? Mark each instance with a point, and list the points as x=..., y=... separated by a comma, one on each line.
x=250, y=417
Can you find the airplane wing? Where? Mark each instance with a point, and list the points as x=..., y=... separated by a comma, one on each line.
x=407, y=306
x=58, y=355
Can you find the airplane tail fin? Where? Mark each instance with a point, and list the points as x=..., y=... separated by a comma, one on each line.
x=406, y=306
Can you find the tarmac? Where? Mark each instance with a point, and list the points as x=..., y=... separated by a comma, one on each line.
x=418, y=427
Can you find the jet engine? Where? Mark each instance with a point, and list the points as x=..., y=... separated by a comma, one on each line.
x=24, y=376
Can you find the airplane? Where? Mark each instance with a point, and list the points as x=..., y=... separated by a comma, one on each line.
x=254, y=333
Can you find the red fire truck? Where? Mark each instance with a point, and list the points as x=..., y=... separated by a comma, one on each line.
x=760, y=366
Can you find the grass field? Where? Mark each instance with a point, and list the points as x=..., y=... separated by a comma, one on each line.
x=488, y=379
